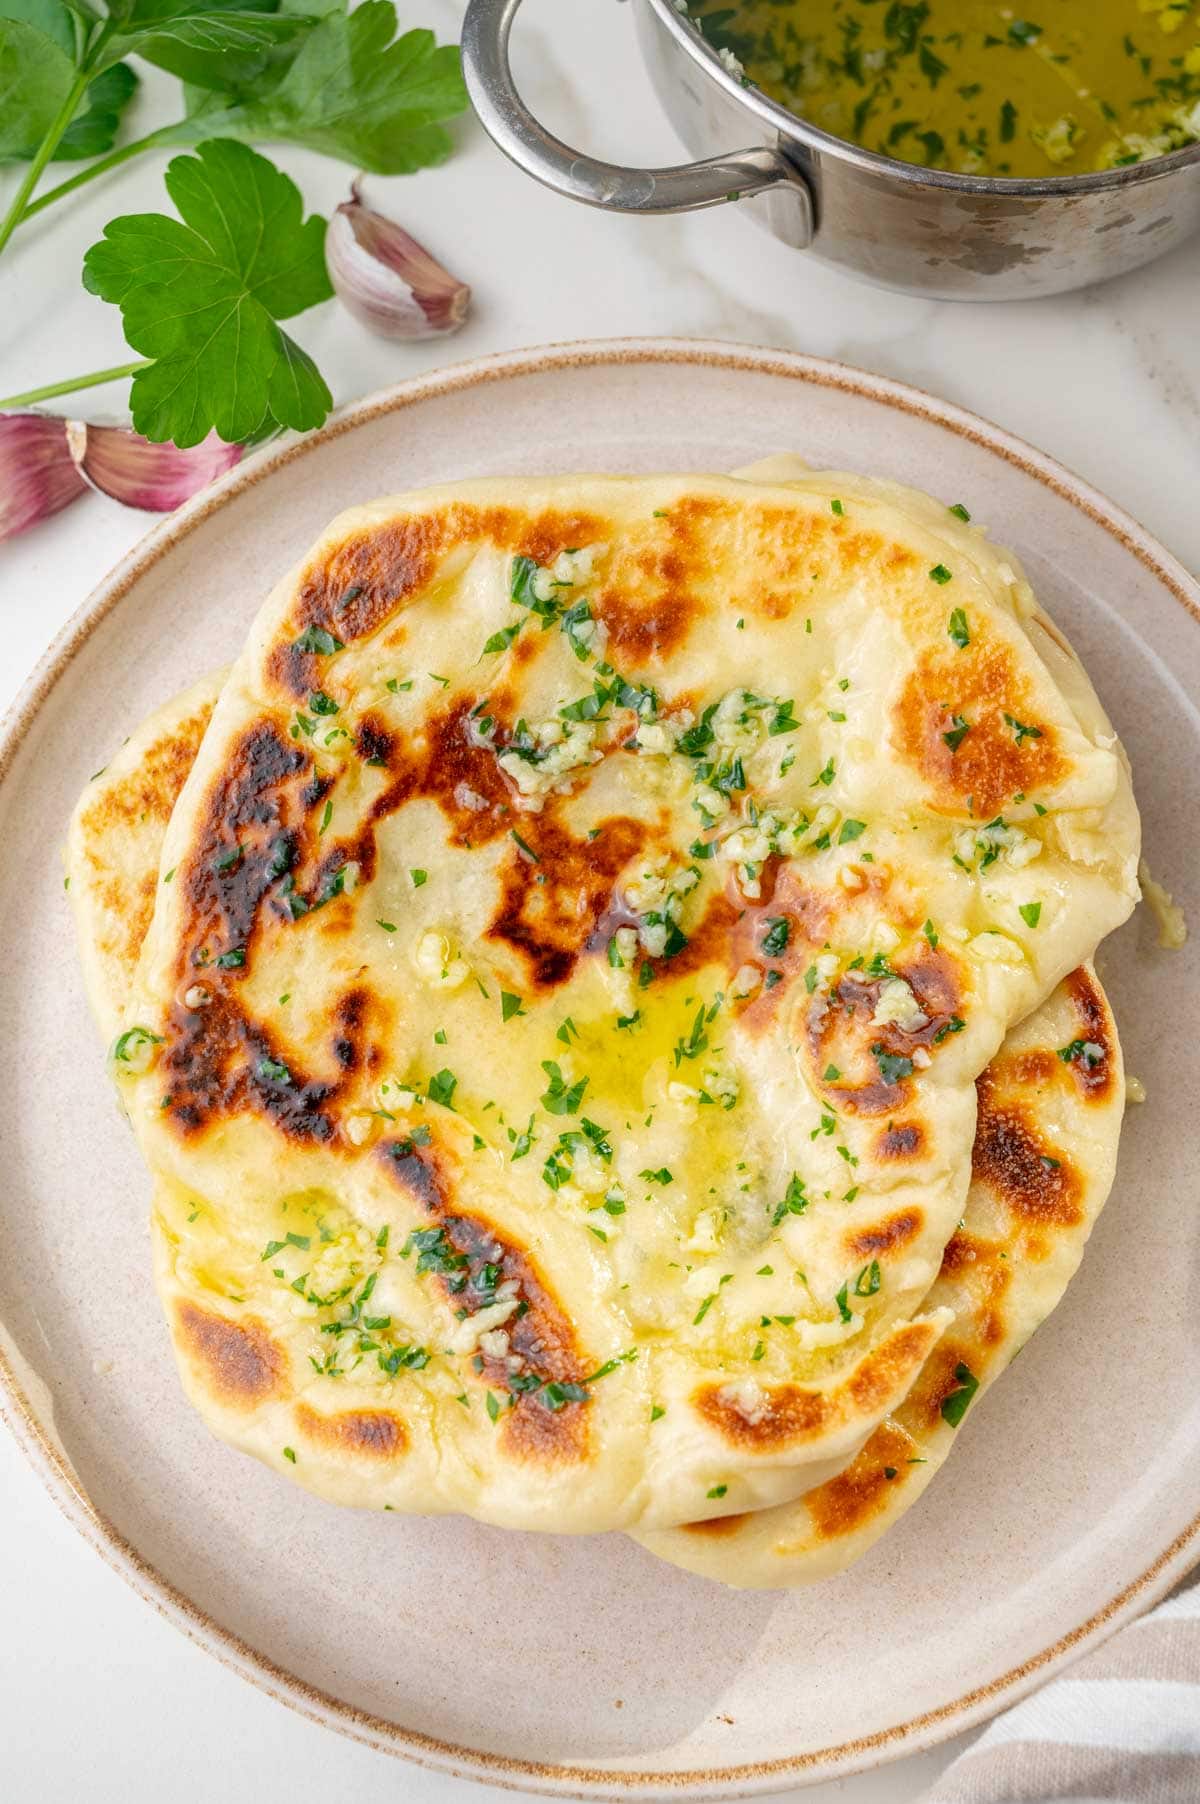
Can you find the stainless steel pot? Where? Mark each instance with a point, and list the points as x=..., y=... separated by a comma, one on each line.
x=926, y=231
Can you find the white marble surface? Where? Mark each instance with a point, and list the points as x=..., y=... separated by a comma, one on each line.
x=98, y=1696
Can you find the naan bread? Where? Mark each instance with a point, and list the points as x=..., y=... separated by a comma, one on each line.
x=1050, y=1111
x=114, y=842
x=374, y=1057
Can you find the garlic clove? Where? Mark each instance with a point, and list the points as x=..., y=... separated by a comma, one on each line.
x=388, y=281
x=46, y=463
x=129, y=468
x=37, y=472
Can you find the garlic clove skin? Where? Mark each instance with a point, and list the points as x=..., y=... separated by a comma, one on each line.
x=389, y=282
x=38, y=476
x=130, y=469
x=46, y=463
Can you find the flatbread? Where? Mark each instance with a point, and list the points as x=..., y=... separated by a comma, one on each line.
x=542, y=1337
x=1045, y=1155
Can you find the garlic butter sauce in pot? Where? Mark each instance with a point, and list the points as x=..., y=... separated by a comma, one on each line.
x=952, y=148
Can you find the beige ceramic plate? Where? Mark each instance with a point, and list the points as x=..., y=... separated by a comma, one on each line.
x=583, y=1666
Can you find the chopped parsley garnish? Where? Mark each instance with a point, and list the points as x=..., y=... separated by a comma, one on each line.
x=661, y=1176
x=555, y=1394
x=783, y=720
x=315, y=638
x=704, y=1309
x=718, y=1491
x=956, y=1404
x=233, y=960
x=418, y=878
x=893, y=1068
x=321, y=703
x=958, y=629
x=526, y=849
x=930, y=933
x=825, y=776
x=442, y=1086
x=697, y=1041
x=1020, y=731
x=868, y=1280
x=795, y=1200
x=561, y=1098
x=388, y=926
x=959, y=729
x=1087, y=1050
x=958, y=509
x=289, y=1453
x=1031, y=913
x=831, y=1074
x=273, y=1071
x=851, y=830
x=503, y=639
x=775, y=939
x=940, y=574
x=836, y=507
x=845, y=1312
x=510, y=1005
x=954, y=1025
x=437, y=1254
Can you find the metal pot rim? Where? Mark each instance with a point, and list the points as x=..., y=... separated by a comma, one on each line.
x=794, y=129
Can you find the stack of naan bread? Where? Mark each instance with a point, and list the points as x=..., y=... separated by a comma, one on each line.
x=602, y=991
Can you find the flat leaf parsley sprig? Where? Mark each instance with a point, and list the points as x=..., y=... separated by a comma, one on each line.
x=201, y=296
x=304, y=72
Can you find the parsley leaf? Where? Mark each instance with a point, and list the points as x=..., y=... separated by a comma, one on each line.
x=37, y=70
x=958, y=732
x=893, y=1067
x=353, y=93
x=202, y=299
x=956, y=1404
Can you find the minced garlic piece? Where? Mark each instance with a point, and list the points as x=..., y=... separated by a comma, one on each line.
x=896, y=1005
x=358, y=1128
x=746, y=980
x=748, y=1398
x=469, y=1332
x=559, y=747
x=439, y=966
x=996, y=840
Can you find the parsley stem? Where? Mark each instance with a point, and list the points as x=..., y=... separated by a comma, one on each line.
x=45, y=151
x=114, y=159
x=75, y=382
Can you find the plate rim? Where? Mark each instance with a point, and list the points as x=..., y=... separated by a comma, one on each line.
x=37, y=1440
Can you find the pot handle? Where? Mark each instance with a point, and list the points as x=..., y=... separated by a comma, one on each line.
x=679, y=189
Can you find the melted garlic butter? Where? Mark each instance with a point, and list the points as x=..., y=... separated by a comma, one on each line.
x=1074, y=85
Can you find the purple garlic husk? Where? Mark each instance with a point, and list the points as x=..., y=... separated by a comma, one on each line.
x=38, y=475
x=130, y=469
x=389, y=282
x=47, y=462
